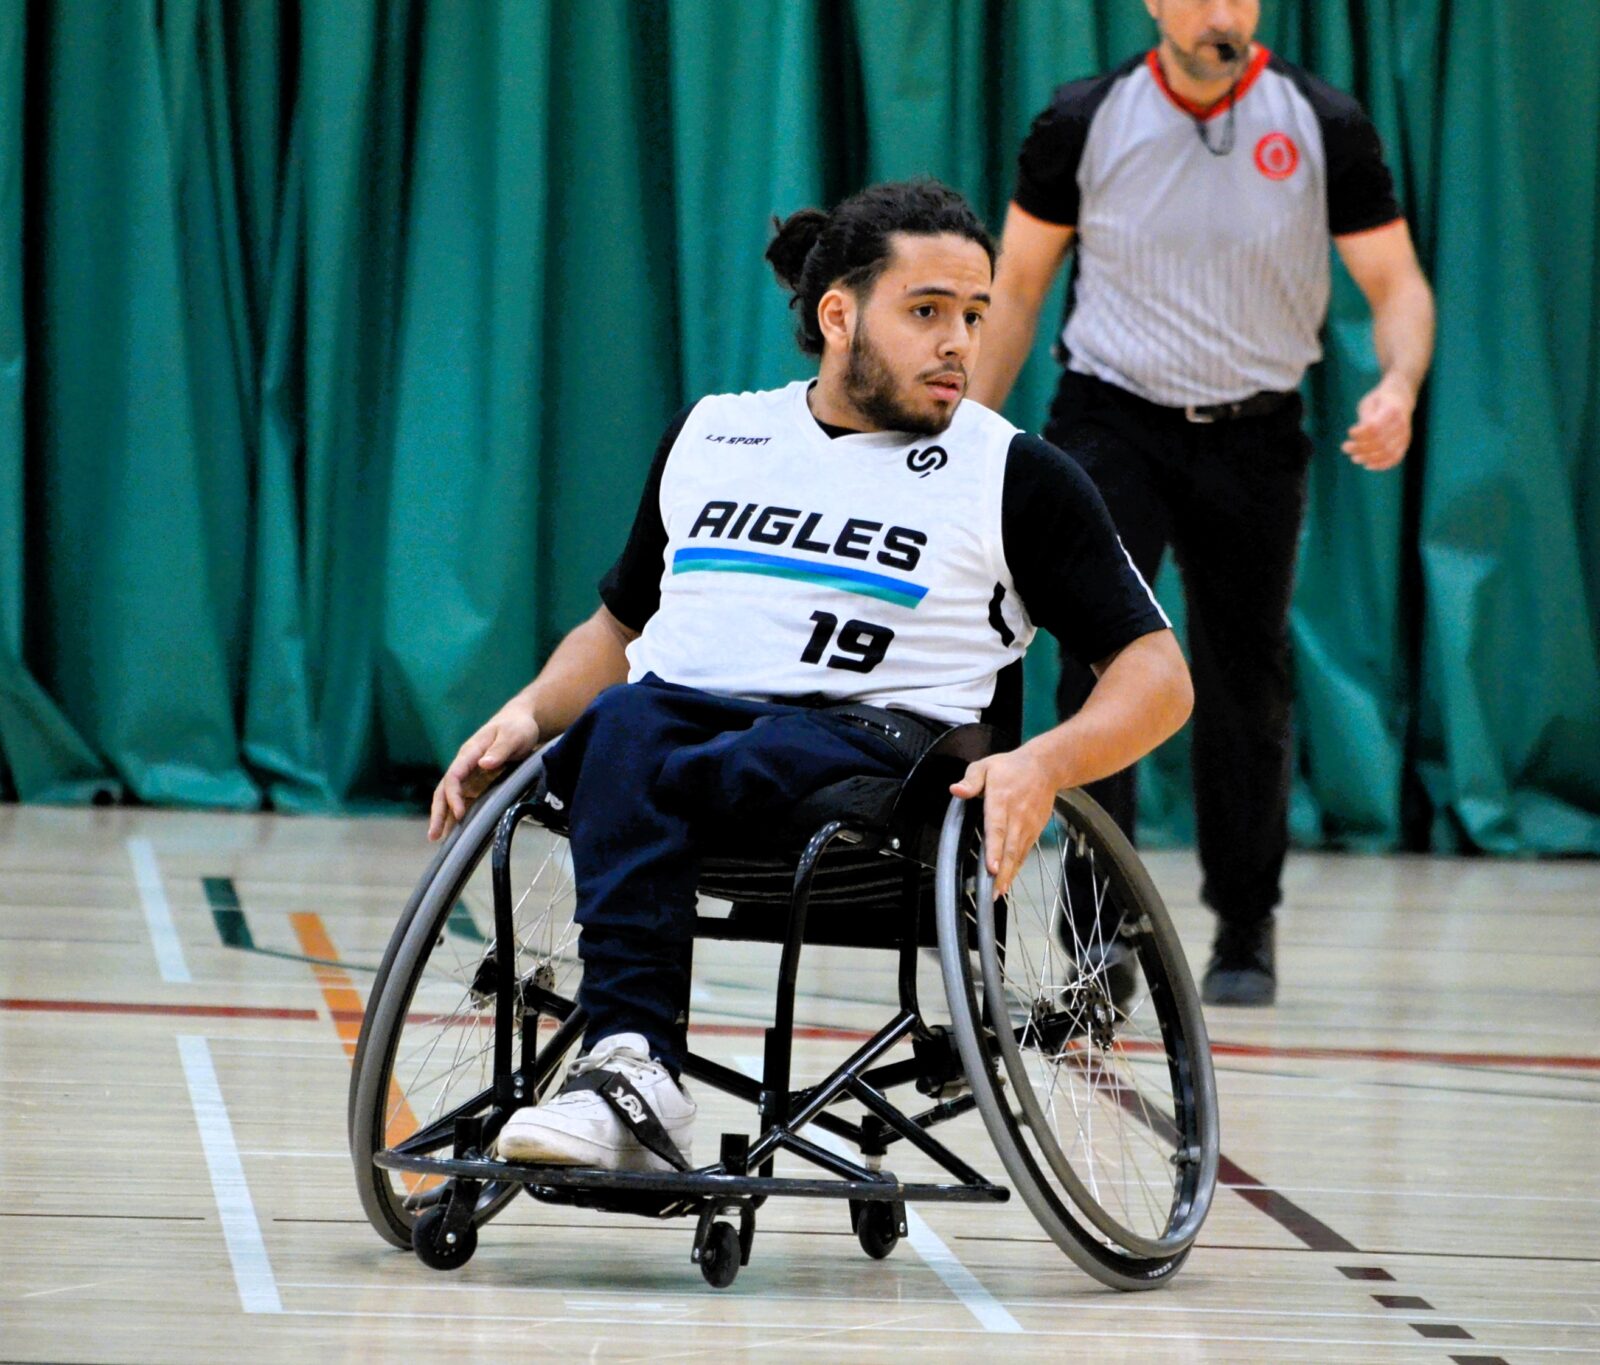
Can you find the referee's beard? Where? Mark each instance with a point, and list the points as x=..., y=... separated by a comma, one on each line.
x=875, y=393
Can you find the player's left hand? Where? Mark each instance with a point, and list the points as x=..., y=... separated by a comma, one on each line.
x=1382, y=433
x=1017, y=799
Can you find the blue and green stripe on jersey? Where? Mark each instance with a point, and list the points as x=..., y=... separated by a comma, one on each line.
x=714, y=559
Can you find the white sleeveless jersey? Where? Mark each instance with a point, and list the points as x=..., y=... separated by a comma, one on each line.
x=859, y=568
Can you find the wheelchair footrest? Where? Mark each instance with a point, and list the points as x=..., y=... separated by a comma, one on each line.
x=563, y=1183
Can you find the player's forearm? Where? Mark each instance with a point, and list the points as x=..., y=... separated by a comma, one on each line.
x=1142, y=699
x=590, y=659
x=1007, y=338
x=1402, y=332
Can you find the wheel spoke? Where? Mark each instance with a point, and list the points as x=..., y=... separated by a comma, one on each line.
x=1086, y=1033
x=441, y=1049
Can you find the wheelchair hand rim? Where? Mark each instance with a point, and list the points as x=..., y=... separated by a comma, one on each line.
x=1190, y=1211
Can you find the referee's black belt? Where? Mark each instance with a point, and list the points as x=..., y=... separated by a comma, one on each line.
x=1256, y=405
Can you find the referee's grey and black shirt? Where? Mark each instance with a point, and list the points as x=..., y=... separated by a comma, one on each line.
x=1201, y=278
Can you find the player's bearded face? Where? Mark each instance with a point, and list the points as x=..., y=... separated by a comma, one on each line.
x=912, y=337
x=889, y=400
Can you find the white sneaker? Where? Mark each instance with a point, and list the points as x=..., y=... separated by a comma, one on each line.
x=580, y=1128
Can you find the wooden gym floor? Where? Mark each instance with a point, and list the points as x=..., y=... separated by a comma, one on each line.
x=1411, y=1138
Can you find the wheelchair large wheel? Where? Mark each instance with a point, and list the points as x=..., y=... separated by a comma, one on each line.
x=426, y=1050
x=1081, y=1034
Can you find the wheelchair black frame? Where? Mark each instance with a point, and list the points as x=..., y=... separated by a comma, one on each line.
x=726, y=1185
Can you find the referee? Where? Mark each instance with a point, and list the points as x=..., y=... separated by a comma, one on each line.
x=1200, y=185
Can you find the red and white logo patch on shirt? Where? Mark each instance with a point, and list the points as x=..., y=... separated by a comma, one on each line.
x=1277, y=157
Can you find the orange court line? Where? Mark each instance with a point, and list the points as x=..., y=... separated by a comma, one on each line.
x=338, y=991
x=344, y=1004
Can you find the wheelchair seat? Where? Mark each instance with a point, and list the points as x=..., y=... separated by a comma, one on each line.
x=855, y=885
x=463, y=1027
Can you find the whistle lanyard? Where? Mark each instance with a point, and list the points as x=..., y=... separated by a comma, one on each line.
x=1229, y=127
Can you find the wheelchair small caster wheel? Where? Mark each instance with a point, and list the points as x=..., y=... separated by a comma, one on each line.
x=877, y=1227
x=439, y=1249
x=719, y=1262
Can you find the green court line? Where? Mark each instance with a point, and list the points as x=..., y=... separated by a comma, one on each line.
x=234, y=929
x=462, y=925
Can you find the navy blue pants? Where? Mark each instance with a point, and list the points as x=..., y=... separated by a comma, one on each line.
x=653, y=772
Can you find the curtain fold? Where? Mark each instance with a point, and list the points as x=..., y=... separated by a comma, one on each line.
x=335, y=341
x=40, y=749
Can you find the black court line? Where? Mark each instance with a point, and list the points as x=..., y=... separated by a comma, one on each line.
x=117, y=1217
x=1441, y=1331
x=1364, y=1272
x=1481, y=1090
x=1430, y=1331
x=1283, y=1211
x=1483, y=1256
x=234, y=931
x=1309, y=1229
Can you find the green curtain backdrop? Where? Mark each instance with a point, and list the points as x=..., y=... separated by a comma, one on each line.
x=335, y=337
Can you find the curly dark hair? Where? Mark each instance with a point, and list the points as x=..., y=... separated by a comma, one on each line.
x=812, y=251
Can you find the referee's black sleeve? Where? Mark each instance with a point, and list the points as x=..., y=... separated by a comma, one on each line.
x=1360, y=189
x=631, y=588
x=1047, y=166
x=1066, y=560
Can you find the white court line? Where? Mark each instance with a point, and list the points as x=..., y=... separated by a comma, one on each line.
x=157, y=912
x=944, y=1263
x=1181, y=1338
x=297, y=1156
x=687, y=1299
x=252, y=1271
x=957, y=1278
x=61, y=1289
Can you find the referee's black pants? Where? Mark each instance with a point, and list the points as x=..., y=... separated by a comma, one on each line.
x=1229, y=497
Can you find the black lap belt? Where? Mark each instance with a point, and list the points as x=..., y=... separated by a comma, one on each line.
x=911, y=733
x=629, y=1106
x=1256, y=405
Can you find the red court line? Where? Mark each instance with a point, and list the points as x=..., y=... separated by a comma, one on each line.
x=1555, y=1061
x=809, y=1031
x=1395, y=1054
x=188, y=1011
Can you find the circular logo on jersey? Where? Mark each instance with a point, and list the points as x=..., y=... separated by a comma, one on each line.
x=923, y=462
x=1277, y=157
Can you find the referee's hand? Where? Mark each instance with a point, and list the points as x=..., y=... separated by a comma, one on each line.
x=1382, y=433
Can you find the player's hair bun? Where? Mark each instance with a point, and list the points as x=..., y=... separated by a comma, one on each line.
x=812, y=251
x=792, y=241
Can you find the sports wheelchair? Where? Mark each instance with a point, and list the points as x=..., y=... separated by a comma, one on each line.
x=1071, y=1026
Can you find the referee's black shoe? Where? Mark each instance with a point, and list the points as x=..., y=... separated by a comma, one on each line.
x=1241, y=968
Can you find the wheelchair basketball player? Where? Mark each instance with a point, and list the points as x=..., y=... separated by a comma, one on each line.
x=819, y=580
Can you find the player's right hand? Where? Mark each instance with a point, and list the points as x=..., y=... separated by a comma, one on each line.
x=510, y=735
